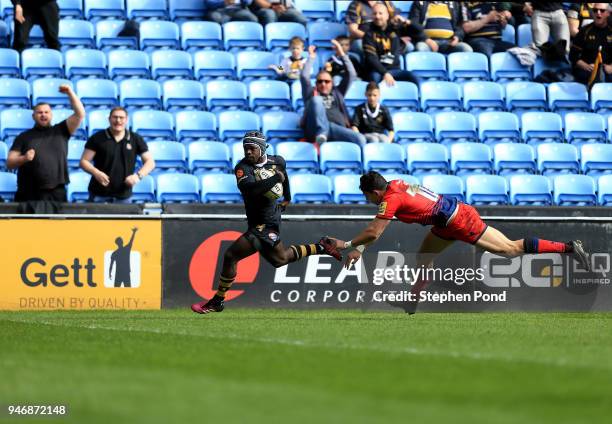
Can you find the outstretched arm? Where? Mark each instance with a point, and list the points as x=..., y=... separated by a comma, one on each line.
x=129, y=245
x=369, y=235
x=74, y=120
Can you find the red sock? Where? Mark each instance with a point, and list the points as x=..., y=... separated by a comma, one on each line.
x=535, y=245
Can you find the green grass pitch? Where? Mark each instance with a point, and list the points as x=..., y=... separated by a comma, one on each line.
x=286, y=366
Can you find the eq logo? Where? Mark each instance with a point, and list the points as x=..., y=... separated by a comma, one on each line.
x=203, y=266
x=543, y=270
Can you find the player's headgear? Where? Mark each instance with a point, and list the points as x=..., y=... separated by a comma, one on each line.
x=257, y=138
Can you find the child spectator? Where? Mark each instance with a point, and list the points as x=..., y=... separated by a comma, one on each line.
x=335, y=66
x=372, y=119
x=291, y=65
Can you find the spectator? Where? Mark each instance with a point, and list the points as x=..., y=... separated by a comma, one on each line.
x=40, y=153
x=31, y=12
x=335, y=65
x=222, y=11
x=484, y=22
x=291, y=65
x=325, y=115
x=372, y=119
x=269, y=11
x=546, y=17
x=442, y=22
x=382, y=49
x=579, y=15
x=113, y=152
x=589, y=40
x=358, y=17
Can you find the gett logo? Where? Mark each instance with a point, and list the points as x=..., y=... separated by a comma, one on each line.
x=203, y=266
x=36, y=272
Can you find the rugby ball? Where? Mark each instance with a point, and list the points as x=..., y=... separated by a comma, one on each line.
x=275, y=192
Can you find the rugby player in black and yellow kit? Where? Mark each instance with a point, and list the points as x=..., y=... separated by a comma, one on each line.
x=262, y=180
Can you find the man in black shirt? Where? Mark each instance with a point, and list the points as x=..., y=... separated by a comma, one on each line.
x=41, y=153
x=32, y=12
x=113, y=152
x=262, y=180
x=592, y=37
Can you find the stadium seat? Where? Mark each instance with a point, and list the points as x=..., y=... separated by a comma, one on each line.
x=540, y=66
x=36, y=39
x=506, y=67
x=140, y=93
x=278, y=34
x=310, y=188
x=95, y=10
x=243, y=35
x=255, y=64
x=14, y=92
x=192, y=125
x=574, y=190
x=404, y=177
x=75, y=150
x=299, y=156
x=3, y=155
x=525, y=96
x=604, y=190
x=427, y=158
x=449, y=185
x=468, y=66
x=469, y=158
x=279, y=126
x=85, y=63
x=182, y=94
x=583, y=127
x=225, y=94
x=177, y=188
x=384, y=157
x=107, y=36
x=219, y=188
x=513, y=158
x=540, y=127
x=196, y=35
x=208, y=156
x=46, y=90
x=13, y=122
x=95, y=93
x=153, y=124
x=509, y=34
x=144, y=191
x=555, y=158
x=567, y=96
x=439, y=96
x=455, y=126
x=355, y=95
x=159, y=35
x=9, y=63
x=596, y=159
x=78, y=188
x=496, y=127
x=128, y=64
x=320, y=10
x=60, y=114
x=169, y=156
x=234, y=123
x=346, y=189
x=610, y=128
x=601, y=97
x=340, y=156
x=8, y=186
x=320, y=34
x=97, y=120
x=403, y=96
x=75, y=33
x=181, y=10
x=483, y=96
x=208, y=64
x=38, y=63
x=530, y=190
x=524, y=36
x=341, y=8
x=412, y=127
x=170, y=64
x=146, y=9
x=70, y=9
x=486, y=190
x=427, y=65
x=269, y=94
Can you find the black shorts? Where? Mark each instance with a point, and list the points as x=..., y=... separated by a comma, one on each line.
x=263, y=236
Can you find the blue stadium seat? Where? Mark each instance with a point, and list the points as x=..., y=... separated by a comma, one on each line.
x=412, y=126
x=555, y=158
x=169, y=64
x=208, y=64
x=14, y=92
x=70, y=9
x=596, y=159
x=243, y=35
x=299, y=156
x=320, y=34
x=128, y=64
x=75, y=150
x=144, y=191
x=509, y=34
x=604, y=190
x=278, y=34
x=76, y=33
x=268, y=94
x=525, y=96
x=9, y=63
x=296, y=97
x=427, y=158
x=175, y=187
x=208, y=156
x=36, y=39
x=403, y=96
x=469, y=158
x=346, y=189
x=13, y=122
x=524, y=36
x=513, y=158
x=384, y=157
x=530, y=190
x=486, y=190
x=3, y=155
x=95, y=10
x=37, y=63
x=192, y=125
x=279, y=126
x=182, y=94
x=583, y=127
x=482, y=96
x=496, y=127
x=222, y=94
x=555, y=66
x=601, y=97
x=404, y=177
x=85, y=63
x=574, y=190
x=146, y=9
x=539, y=127
x=341, y=8
x=567, y=96
x=140, y=93
x=159, y=35
x=427, y=65
x=316, y=10
x=78, y=188
x=107, y=36
x=47, y=90
x=169, y=156
x=355, y=95
x=310, y=188
x=234, y=123
x=255, y=64
x=196, y=35
x=95, y=93
x=439, y=96
x=60, y=114
x=340, y=156
x=8, y=186
x=449, y=185
x=181, y=10
x=220, y=188
x=153, y=124
x=468, y=66
x=610, y=128
x=455, y=126
x=97, y=120
x=506, y=67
